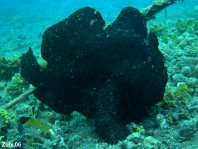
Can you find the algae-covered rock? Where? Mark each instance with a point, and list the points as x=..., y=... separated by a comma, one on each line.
x=16, y=86
x=6, y=118
x=151, y=143
x=8, y=68
x=181, y=26
x=176, y=97
x=158, y=29
x=190, y=25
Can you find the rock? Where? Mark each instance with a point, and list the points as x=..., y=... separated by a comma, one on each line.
x=151, y=143
x=186, y=70
x=112, y=74
x=8, y=68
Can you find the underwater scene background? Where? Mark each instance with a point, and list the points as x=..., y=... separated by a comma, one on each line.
x=171, y=123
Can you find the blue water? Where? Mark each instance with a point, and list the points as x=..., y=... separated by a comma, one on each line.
x=23, y=22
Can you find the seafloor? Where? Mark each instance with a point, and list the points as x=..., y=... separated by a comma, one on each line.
x=172, y=123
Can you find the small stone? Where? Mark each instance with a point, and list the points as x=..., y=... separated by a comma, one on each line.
x=135, y=137
x=193, y=82
x=179, y=78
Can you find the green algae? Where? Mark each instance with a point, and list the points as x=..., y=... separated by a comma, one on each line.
x=158, y=29
x=177, y=97
x=7, y=116
x=17, y=85
x=190, y=25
